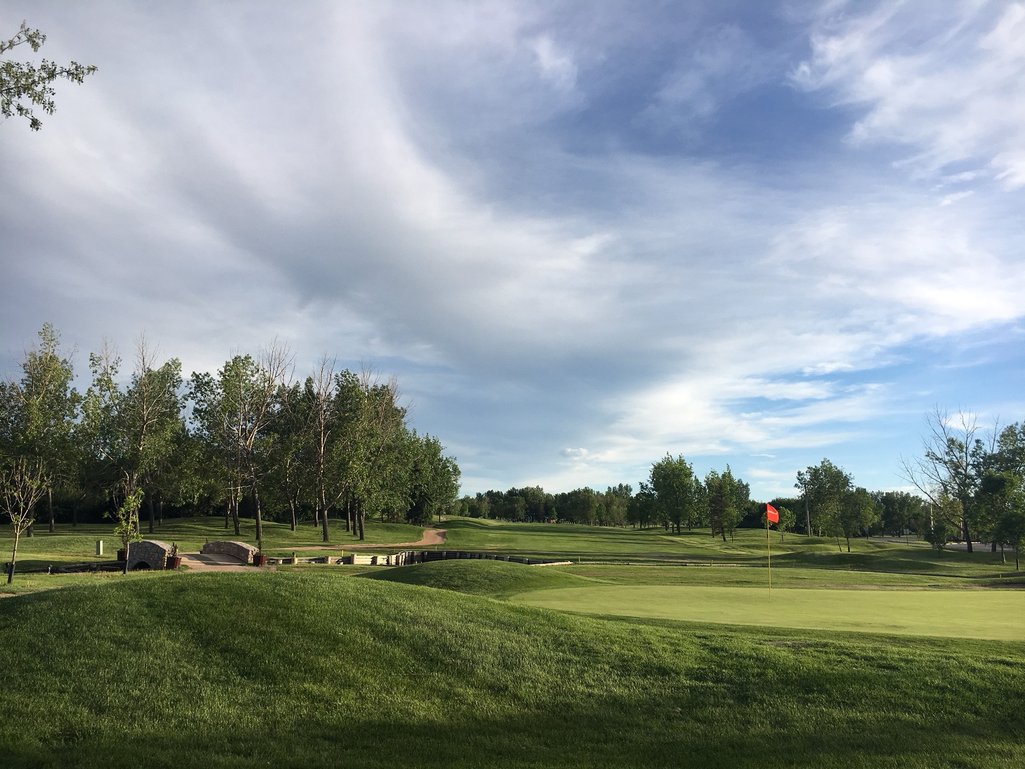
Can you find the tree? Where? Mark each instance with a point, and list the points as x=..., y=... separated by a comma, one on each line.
x=900, y=511
x=950, y=467
x=133, y=431
x=675, y=488
x=1010, y=527
x=234, y=411
x=22, y=483
x=787, y=518
x=434, y=479
x=24, y=85
x=42, y=411
x=127, y=527
x=727, y=499
x=857, y=513
x=824, y=487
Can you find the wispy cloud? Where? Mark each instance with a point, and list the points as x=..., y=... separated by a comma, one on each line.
x=943, y=79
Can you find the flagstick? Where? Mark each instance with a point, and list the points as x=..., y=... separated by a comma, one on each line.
x=768, y=547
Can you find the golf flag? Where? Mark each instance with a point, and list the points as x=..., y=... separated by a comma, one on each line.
x=771, y=514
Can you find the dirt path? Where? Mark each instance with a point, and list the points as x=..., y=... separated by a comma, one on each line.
x=430, y=537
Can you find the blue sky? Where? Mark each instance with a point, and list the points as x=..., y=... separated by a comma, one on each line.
x=581, y=235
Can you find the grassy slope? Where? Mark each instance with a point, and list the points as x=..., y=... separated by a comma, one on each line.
x=491, y=578
x=314, y=670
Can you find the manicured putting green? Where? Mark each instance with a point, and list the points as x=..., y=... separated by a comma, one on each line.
x=998, y=615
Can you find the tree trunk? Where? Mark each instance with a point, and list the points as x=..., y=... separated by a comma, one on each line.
x=361, y=523
x=259, y=518
x=14, y=557
x=152, y=514
x=848, y=544
x=966, y=533
x=49, y=502
x=807, y=516
x=128, y=553
x=160, y=512
x=236, y=501
x=294, y=520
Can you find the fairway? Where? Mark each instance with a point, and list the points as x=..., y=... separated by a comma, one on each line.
x=997, y=615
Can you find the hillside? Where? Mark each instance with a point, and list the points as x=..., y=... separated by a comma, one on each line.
x=318, y=670
x=492, y=578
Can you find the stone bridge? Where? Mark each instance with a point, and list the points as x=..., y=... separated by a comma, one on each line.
x=239, y=550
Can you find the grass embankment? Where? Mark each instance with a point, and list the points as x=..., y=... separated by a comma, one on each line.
x=497, y=579
x=312, y=669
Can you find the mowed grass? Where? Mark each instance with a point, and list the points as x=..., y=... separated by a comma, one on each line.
x=992, y=614
x=312, y=669
x=492, y=578
x=747, y=547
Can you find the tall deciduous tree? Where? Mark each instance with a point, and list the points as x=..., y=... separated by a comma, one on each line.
x=727, y=500
x=857, y=513
x=25, y=86
x=234, y=410
x=675, y=488
x=950, y=467
x=824, y=487
x=46, y=406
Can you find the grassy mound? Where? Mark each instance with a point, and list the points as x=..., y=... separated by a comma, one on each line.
x=316, y=670
x=493, y=578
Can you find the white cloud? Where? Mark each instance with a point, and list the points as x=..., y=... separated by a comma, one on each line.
x=943, y=79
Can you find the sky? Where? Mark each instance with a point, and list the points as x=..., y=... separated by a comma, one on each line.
x=582, y=235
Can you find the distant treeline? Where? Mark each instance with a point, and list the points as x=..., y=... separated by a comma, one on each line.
x=971, y=488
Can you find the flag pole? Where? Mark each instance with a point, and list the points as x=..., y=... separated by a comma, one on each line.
x=771, y=516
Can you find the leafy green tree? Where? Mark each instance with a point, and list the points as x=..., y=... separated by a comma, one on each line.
x=25, y=85
x=676, y=490
x=135, y=431
x=787, y=518
x=127, y=527
x=434, y=479
x=727, y=500
x=900, y=512
x=234, y=411
x=41, y=410
x=857, y=513
x=824, y=488
x=1010, y=528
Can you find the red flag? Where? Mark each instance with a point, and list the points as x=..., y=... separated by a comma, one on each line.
x=771, y=513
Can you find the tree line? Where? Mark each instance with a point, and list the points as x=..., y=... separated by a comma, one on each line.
x=673, y=496
x=249, y=439
x=971, y=488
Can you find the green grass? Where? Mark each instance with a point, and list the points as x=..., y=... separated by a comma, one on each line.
x=748, y=547
x=491, y=578
x=789, y=577
x=991, y=614
x=312, y=669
